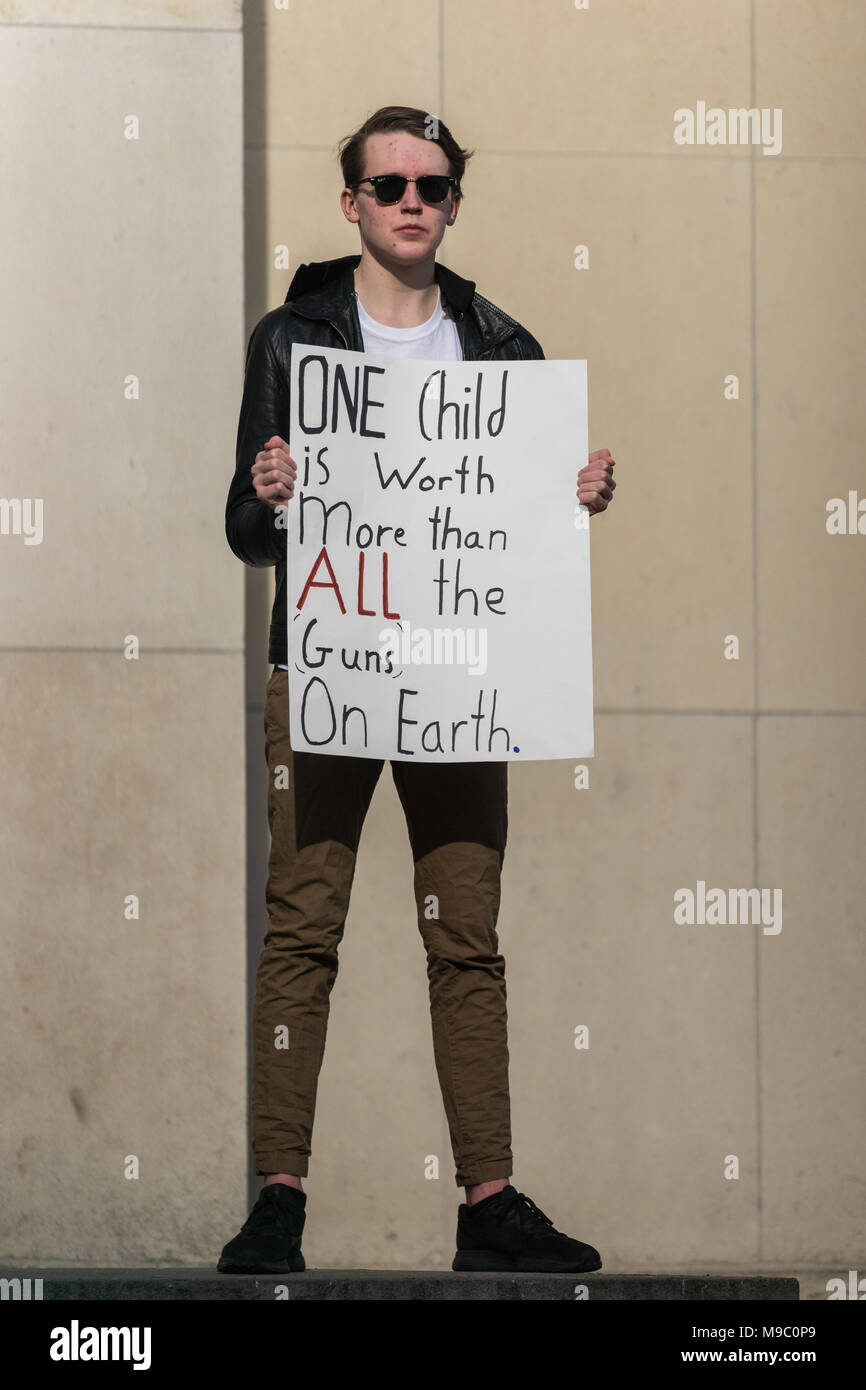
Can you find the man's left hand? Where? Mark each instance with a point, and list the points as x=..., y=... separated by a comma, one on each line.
x=595, y=482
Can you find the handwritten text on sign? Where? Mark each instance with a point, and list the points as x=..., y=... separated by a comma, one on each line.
x=438, y=560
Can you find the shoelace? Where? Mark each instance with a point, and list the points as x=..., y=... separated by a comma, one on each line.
x=535, y=1214
x=262, y=1216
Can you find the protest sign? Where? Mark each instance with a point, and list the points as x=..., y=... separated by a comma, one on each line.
x=438, y=588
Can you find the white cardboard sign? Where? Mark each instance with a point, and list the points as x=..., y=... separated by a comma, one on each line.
x=438, y=585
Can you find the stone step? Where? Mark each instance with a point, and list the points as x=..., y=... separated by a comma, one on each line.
x=181, y=1283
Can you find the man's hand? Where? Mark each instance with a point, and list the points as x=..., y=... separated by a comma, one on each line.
x=595, y=482
x=274, y=473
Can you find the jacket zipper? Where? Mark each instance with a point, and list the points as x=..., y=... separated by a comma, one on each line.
x=336, y=330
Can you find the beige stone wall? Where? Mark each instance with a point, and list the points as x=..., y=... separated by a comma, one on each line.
x=704, y=261
x=123, y=1036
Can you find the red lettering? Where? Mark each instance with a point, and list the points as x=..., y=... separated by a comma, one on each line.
x=364, y=612
x=322, y=583
x=385, y=612
x=313, y=583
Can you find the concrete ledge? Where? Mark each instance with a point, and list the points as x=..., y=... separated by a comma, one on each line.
x=203, y=1284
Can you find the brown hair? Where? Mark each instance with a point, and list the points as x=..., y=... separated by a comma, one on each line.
x=414, y=122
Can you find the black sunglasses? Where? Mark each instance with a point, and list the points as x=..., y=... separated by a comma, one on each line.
x=389, y=188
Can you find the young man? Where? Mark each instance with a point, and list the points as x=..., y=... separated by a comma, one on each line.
x=402, y=172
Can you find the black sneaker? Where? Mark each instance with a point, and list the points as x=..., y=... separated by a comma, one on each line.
x=269, y=1242
x=508, y=1232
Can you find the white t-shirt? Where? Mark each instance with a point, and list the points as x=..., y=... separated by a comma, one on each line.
x=436, y=340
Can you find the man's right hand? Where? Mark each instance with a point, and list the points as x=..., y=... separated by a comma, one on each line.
x=274, y=473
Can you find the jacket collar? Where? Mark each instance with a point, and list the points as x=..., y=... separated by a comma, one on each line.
x=325, y=290
x=323, y=287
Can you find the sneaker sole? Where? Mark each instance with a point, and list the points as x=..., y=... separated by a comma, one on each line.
x=295, y=1265
x=496, y=1262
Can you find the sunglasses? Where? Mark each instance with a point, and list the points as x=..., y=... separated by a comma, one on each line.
x=389, y=188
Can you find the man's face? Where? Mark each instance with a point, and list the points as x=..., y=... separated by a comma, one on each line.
x=409, y=231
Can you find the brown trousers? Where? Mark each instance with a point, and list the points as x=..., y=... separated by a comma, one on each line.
x=457, y=818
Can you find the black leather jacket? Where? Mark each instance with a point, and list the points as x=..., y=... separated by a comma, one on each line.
x=320, y=308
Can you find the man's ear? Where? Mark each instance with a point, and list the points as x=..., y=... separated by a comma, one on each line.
x=452, y=216
x=347, y=203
